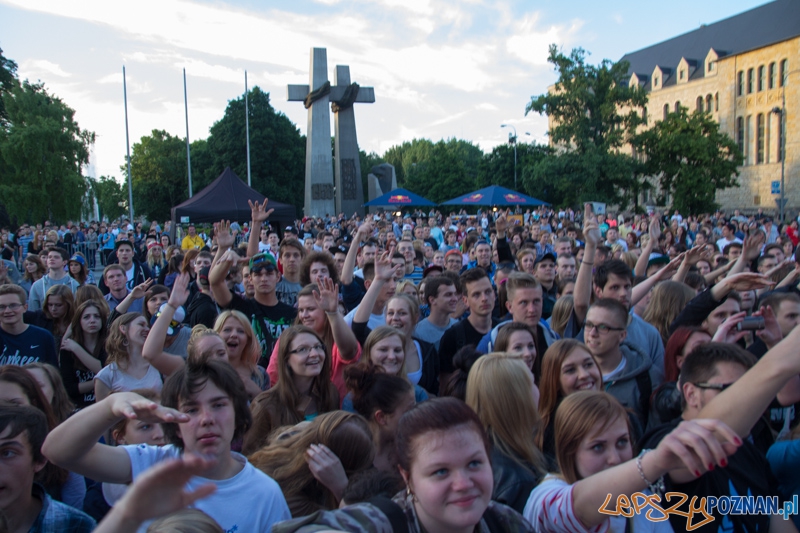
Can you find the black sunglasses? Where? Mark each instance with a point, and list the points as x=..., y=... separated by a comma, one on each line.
x=714, y=386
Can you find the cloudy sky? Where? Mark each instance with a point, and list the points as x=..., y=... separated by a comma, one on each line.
x=440, y=68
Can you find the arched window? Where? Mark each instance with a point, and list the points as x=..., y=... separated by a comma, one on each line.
x=760, y=137
x=699, y=104
x=773, y=73
x=644, y=115
x=716, y=101
x=677, y=106
x=780, y=138
x=666, y=111
x=762, y=78
x=740, y=84
x=750, y=76
x=708, y=103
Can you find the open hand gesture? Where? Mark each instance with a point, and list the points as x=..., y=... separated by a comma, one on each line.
x=259, y=212
x=591, y=231
x=327, y=297
x=140, y=290
x=225, y=237
x=327, y=468
x=180, y=291
x=132, y=406
x=696, y=445
x=384, y=270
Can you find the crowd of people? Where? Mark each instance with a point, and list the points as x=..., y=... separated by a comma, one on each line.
x=421, y=372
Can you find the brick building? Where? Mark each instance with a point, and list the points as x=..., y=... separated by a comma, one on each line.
x=737, y=69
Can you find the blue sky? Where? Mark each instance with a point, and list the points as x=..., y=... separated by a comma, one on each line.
x=440, y=68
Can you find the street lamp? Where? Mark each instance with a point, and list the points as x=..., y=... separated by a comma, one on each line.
x=781, y=112
x=512, y=139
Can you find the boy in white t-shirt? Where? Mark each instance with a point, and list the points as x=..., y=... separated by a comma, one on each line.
x=204, y=408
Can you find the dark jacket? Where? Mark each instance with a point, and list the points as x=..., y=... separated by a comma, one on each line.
x=513, y=480
x=141, y=273
x=202, y=310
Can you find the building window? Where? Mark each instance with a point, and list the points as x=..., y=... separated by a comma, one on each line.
x=683, y=74
x=711, y=66
x=666, y=111
x=762, y=78
x=716, y=101
x=740, y=133
x=740, y=84
x=756, y=200
x=772, y=75
x=768, y=141
x=750, y=76
x=784, y=67
x=678, y=106
x=699, y=104
x=644, y=115
x=760, y=138
x=780, y=138
x=748, y=137
x=655, y=81
x=708, y=103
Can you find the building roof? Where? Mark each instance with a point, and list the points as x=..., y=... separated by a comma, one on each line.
x=759, y=27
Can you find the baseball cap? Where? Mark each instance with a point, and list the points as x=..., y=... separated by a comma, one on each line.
x=432, y=268
x=262, y=261
x=78, y=259
x=548, y=255
x=290, y=229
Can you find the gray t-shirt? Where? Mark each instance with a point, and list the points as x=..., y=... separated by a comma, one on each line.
x=286, y=291
x=178, y=347
x=429, y=332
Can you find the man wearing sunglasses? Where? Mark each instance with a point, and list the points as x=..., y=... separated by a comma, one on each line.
x=628, y=373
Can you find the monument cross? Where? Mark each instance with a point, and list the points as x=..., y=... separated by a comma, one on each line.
x=320, y=198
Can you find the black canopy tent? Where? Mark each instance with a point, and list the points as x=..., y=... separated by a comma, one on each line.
x=226, y=198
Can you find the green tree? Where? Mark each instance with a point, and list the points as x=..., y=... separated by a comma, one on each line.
x=42, y=151
x=449, y=171
x=367, y=161
x=8, y=80
x=691, y=159
x=112, y=197
x=159, y=176
x=277, y=150
x=405, y=156
x=593, y=114
x=497, y=167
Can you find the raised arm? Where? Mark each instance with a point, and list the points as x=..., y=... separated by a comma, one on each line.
x=153, y=350
x=654, y=230
x=328, y=300
x=692, y=447
x=364, y=232
x=259, y=214
x=582, y=295
x=138, y=292
x=217, y=275
x=383, y=273
x=225, y=240
x=641, y=290
x=73, y=444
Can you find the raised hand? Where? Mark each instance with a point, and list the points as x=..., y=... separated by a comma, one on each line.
x=751, y=248
x=501, y=224
x=180, y=291
x=225, y=237
x=327, y=297
x=132, y=406
x=726, y=332
x=140, y=290
x=591, y=231
x=364, y=232
x=694, y=255
x=259, y=212
x=747, y=281
x=161, y=490
x=771, y=334
x=384, y=270
x=654, y=229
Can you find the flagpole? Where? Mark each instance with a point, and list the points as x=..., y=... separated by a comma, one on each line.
x=247, y=129
x=188, y=154
x=127, y=141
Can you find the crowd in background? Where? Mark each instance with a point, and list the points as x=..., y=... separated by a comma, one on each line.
x=419, y=371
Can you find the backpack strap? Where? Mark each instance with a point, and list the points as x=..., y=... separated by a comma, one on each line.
x=396, y=516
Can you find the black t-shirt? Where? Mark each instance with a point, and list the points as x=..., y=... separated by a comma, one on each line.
x=747, y=474
x=268, y=321
x=460, y=334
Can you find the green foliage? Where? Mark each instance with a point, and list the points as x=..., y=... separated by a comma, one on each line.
x=497, y=167
x=112, y=197
x=159, y=175
x=277, y=150
x=405, y=156
x=587, y=121
x=450, y=170
x=8, y=80
x=42, y=150
x=691, y=159
x=367, y=161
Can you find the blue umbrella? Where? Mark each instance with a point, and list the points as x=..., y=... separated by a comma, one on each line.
x=399, y=197
x=494, y=195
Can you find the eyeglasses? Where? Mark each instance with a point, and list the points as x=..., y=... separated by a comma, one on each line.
x=305, y=350
x=12, y=307
x=714, y=386
x=601, y=328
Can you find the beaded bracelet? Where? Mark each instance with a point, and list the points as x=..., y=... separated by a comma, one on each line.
x=656, y=486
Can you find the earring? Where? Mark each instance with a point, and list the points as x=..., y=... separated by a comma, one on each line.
x=410, y=494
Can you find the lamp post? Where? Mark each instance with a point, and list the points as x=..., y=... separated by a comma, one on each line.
x=781, y=112
x=512, y=139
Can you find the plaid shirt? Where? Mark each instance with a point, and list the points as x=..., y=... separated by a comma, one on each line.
x=56, y=517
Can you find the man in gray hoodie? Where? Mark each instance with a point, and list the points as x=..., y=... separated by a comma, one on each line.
x=628, y=373
x=56, y=275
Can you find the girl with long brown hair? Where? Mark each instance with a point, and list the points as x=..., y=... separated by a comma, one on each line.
x=83, y=352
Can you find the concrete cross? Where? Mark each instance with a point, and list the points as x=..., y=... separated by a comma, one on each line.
x=319, y=190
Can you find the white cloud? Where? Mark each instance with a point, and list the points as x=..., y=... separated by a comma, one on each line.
x=531, y=44
x=35, y=68
x=486, y=106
